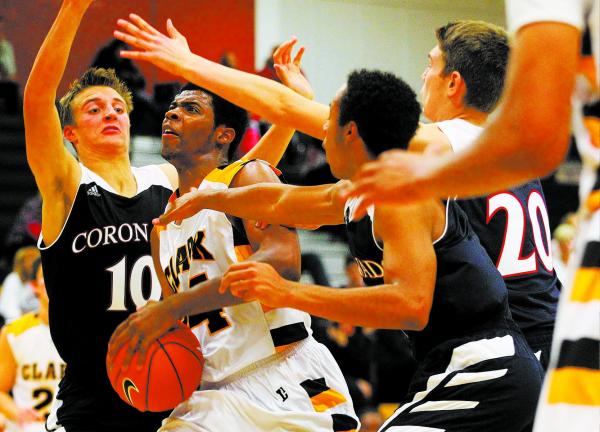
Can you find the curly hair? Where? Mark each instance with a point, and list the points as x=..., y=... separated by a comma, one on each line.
x=479, y=52
x=90, y=78
x=384, y=108
x=227, y=114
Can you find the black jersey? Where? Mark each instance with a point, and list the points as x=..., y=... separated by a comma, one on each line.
x=464, y=273
x=514, y=229
x=97, y=272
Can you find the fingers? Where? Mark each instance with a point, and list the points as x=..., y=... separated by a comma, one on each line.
x=142, y=24
x=282, y=54
x=299, y=54
x=134, y=41
x=172, y=31
x=262, y=225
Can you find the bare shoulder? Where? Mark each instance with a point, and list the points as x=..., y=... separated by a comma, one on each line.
x=428, y=135
x=256, y=171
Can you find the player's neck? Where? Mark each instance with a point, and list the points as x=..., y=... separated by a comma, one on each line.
x=116, y=172
x=472, y=116
x=193, y=172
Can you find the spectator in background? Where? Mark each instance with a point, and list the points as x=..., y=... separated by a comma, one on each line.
x=563, y=237
x=9, y=89
x=145, y=120
x=30, y=367
x=229, y=59
x=17, y=295
x=268, y=70
x=8, y=66
x=24, y=231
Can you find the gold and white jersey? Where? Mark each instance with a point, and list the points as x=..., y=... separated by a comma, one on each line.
x=39, y=367
x=203, y=247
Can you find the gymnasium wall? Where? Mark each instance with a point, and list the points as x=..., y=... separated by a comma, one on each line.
x=342, y=35
x=210, y=26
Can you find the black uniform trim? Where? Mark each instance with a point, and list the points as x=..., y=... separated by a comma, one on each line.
x=343, y=422
x=581, y=353
x=289, y=334
x=591, y=256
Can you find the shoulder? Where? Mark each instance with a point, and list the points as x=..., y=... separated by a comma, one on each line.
x=256, y=171
x=429, y=135
x=22, y=324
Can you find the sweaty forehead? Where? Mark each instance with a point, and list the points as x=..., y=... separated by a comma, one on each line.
x=97, y=93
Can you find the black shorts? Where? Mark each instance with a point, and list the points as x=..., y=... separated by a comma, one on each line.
x=490, y=383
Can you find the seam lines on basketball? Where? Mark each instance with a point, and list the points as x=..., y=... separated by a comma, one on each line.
x=185, y=348
x=149, y=376
x=162, y=347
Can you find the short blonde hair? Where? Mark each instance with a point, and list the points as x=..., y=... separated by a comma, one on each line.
x=91, y=78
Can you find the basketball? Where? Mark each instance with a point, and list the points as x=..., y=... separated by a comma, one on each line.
x=170, y=374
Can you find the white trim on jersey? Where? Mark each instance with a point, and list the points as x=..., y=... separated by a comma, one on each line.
x=145, y=177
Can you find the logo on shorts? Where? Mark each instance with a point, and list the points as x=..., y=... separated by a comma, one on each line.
x=128, y=385
x=282, y=393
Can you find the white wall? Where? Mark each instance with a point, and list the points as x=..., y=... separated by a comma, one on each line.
x=343, y=35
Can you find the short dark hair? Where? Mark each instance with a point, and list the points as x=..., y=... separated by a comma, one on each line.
x=91, y=78
x=479, y=52
x=384, y=108
x=225, y=113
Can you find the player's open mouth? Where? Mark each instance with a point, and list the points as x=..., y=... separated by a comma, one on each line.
x=169, y=132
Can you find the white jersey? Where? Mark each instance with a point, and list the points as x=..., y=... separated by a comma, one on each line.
x=39, y=367
x=203, y=247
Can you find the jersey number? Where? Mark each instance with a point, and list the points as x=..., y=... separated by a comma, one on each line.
x=121, y=279
x=46, y=398
x=511, y=262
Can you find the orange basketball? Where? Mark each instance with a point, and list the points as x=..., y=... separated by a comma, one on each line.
x=170, y=374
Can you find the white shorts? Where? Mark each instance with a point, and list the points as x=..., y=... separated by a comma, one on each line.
x=300, y=389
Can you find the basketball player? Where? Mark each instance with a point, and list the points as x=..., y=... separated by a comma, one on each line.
x=424, y=267
x=460, y=87
x=96, y=223
x=263, y=369
x=30, y=367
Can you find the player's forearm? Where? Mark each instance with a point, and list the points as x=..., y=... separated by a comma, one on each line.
x=8, y=407
x=272, y=145
x=51, y=60
x=267, y=98
x=383, y=306
x=278, y=204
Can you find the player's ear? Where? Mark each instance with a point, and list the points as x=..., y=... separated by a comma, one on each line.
x=224, y=135
x=351, y=131
x=69, y=134
x=455, y=83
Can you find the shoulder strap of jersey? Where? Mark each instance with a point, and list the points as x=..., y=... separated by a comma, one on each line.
x=226, y=174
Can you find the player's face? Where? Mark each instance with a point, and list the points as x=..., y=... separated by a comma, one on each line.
x=188, y=126
x=433, y=91
x=333, y=141
x=101, y=121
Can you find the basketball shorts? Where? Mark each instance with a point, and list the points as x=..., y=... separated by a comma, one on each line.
x=299, y=389
x=487, y=384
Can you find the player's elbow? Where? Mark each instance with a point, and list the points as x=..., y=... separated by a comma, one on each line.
x=409, y=313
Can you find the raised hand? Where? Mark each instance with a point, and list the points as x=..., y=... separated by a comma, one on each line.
x=169, y=52
x=140, y=329
x=289, y=71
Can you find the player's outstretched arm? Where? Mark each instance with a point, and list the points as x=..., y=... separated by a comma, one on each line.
x=262, y=96
x=273, y=144
x=274, y=203
x=527, y=139
x=58, y=176
x=403, y=302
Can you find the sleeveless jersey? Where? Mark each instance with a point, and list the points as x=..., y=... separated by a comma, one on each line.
x=203, y=247
x=464, y=272
x=39, y=367
x=513, y=228
x=97, y=272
